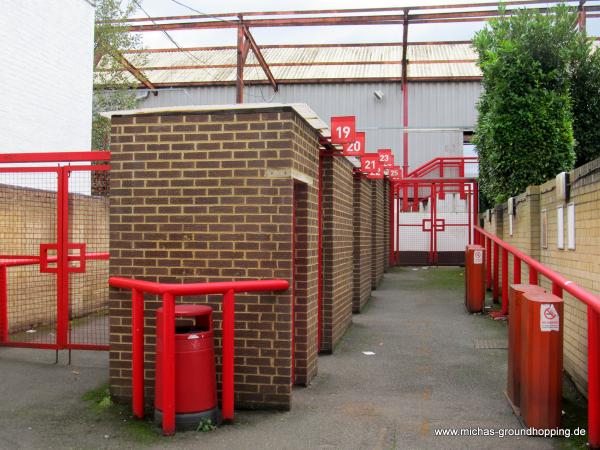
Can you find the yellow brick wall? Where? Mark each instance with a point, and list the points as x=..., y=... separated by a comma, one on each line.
x=581, y=265
x=27, y=219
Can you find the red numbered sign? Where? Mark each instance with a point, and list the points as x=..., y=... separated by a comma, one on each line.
x=395, y=173
x=343, y=129
x=386, y=157
x=369, y=163
x=356, y=148
x=371, y=166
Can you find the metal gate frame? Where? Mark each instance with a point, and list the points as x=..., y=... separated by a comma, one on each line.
x=62, y=263
x=437, y=188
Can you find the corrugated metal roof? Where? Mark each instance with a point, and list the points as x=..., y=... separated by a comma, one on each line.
x=306, y=63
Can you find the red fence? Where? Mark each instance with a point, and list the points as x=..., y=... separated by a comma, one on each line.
x=47, y=201
x=168, y=293
x=493, y=245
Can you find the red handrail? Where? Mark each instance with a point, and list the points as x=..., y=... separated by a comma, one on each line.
x=168, y=293
x=559, y=284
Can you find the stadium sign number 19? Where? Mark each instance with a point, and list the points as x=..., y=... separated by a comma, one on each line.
x=356, y=148
x=343, y=130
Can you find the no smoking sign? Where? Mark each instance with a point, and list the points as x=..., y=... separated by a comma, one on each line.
x=549, y=319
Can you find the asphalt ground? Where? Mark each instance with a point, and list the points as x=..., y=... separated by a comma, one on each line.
x=425, y=374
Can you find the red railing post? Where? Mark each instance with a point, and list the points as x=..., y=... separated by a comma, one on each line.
x=168, y=367
x=488, y=262
x=495, y=280
x=137, y=350
x=516, y=270
x=557, y=290
x=533, y=276
x=3, y=305
x=504, y=281
x=593, y=377
x=228, y=356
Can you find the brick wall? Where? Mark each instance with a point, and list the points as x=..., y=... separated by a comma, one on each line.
x=338, y=235
x=363, y=221
x=578, y=265
x=27, y=219
x=377, y=232
x=208, y=196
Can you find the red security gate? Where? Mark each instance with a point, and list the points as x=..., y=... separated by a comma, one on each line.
x=54, y=251
x=434, y=219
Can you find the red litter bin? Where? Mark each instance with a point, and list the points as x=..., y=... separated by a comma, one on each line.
x=515, y=298
x=541, y=371
x=195, y=378
x=475, y=278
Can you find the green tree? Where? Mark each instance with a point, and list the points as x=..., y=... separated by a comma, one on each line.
x=113, y=87
x=585, y=99
x=524, y=133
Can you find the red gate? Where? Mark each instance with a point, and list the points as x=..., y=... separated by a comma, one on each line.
x=54, y=250
x=434, y=219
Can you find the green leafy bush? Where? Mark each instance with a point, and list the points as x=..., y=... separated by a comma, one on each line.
x=524, y=132
x=585, y=99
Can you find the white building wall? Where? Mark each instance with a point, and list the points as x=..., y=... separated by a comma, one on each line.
x=46, y=76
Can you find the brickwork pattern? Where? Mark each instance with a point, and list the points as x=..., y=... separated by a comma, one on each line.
x=209, y=197
x=28, y=219
x=378, y=232
x=338, y=235
x=363, y=221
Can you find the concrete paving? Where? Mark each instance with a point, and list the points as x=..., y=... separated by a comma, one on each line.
x=425, y=374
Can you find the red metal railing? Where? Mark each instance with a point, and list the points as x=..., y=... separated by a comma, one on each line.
x=14, y=261
x=168, y=293
x=441, y=163
x=559, y=284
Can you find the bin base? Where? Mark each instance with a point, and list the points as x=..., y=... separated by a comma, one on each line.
x=190, y=421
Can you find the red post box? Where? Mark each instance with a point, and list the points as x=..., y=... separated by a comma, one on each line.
x=515, y=296
x=195, y=378
x=541, y=373
x=475, y=278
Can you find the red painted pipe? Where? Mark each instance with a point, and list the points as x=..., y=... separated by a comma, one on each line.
x=533, y=275
x=557, y=290
x=168, y=368
x=516, y=270
x=504, y=281
x=593, y=377
x=495, y=277
x=391, y=217
x=488, y=262
x=137, y=352
x=405, y=125
x=179, y=290
x=3, y=305
x=228, y=356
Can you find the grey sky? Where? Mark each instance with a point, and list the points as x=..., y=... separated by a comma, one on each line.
x=305, y=35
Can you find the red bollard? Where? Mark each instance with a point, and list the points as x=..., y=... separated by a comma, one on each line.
x=474, y=278
x=542, y=344
x=515, y=295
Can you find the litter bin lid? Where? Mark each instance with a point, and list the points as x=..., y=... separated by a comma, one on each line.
x=189, y=310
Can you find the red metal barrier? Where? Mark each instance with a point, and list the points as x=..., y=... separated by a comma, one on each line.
x=560, y=284
x=168, y=293
x=5, y=263
x=63, y=174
